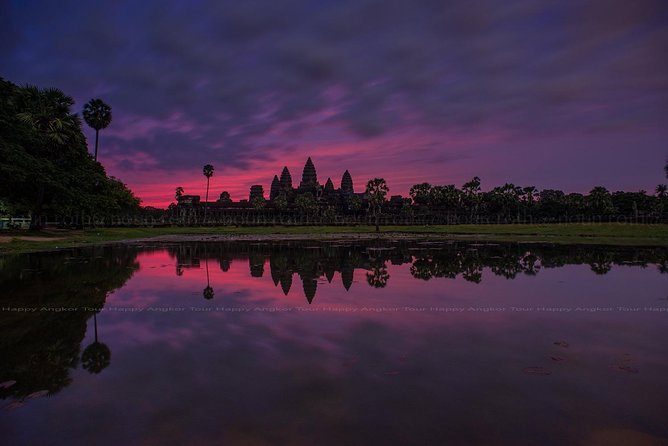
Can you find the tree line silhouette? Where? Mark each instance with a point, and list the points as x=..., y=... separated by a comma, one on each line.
x=47, y=172
x=45, y=166
x=509, y=203
x=428, y=204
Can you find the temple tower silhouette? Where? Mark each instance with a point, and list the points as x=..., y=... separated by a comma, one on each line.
x=275, y=189
x=286, y=179
x=329, y=186
x=347, y=183
x=309, y=176
x=256, y=191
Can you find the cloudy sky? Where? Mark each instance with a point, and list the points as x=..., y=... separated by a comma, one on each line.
x=567, y=94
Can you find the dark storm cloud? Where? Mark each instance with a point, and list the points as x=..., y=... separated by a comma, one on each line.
x=232, y=71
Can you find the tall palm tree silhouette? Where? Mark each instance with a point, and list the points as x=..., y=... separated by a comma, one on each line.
x=97, y=356
x=207, y=170
x=97, y=115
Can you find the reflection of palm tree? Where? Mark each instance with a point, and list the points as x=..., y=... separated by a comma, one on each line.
x=530, y=264
x=378, y=277
x=97, y=356
x=663, y=266
x=422, y=268
x=601, y=268
x=208, y=291
x=472, y=274
x=601, y=263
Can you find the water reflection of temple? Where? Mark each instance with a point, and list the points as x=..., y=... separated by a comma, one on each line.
x=314, y=261
x=39, y=350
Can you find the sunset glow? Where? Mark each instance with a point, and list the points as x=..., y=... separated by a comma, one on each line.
x=564, y=95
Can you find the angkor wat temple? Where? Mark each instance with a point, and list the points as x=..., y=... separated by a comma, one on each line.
x=309, y=184
x=282, y=193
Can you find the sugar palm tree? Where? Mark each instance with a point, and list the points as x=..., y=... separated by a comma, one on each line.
x=207, y=170
x=376, y=190
x=530, y=193
x=47, y=112
x=97, y=115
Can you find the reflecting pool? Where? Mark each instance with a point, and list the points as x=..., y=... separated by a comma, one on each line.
x=337, y=342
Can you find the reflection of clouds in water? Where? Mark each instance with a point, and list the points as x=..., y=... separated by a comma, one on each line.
x=136, y=332
x=370, y=380
x=254, y=296
x=127, y=298
x=392, y=377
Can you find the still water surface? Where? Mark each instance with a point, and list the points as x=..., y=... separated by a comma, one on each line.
x=334, y=343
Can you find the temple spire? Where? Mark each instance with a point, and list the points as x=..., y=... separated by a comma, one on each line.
x=286, y=179
x=347, y=183
x=275, y=188
x=309, y=175
x=329, y=186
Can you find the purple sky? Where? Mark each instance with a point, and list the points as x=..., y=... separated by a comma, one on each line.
x=567, y=94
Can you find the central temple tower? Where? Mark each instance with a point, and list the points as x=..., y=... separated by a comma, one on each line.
x=309, y=176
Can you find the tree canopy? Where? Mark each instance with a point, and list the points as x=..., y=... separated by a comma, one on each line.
x=45, y=166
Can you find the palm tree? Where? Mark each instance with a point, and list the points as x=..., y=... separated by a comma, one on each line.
x=530, y=194
x=661, y=190
x=97, y=115
x=376, y=191
x=472, y=196
x=207, y=170
x=179, y=193
x=420, y=193
x=307, y=204
x=47, y=112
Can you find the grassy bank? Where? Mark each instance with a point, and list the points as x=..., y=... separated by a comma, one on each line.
x=603, y=234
